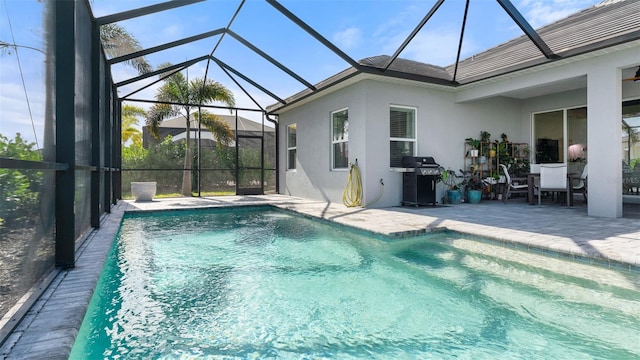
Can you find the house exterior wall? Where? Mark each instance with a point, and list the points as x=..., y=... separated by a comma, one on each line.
x=313, y=177
x=445, y=118
x=442, y=127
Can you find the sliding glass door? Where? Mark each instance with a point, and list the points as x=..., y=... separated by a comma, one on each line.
x=560, y=136
x=631, y=148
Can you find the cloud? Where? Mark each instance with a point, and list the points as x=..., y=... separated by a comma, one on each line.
x=172, y=31
x=438, y=47
x=392, y=32
x=402, y=22
x=15, y=112
x=434, y=44
x=348, y=38
x=540, y=13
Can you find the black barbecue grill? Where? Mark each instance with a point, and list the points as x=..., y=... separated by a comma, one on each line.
x=419, y=180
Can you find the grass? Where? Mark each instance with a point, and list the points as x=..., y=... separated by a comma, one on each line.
x=176, y=195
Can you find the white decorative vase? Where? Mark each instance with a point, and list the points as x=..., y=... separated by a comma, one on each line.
x=143, y=191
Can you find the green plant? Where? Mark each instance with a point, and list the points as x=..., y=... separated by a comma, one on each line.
x=449, y=178
x=485, y=136
x=130, y=132
x=19, y=189
x=504, y=150
x=485, y=143
x=474, y=143
x=475, y=183
x=117, y=41
x=177, y=89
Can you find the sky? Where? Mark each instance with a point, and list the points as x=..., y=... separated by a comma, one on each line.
x=360, y=28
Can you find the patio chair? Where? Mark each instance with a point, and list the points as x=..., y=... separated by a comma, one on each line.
x=513, y=185
x=581, y=185
x=553, y=177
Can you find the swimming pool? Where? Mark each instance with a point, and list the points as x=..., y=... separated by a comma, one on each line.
x=263, y=283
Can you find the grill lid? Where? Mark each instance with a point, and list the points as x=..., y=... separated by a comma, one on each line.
x=419, y=162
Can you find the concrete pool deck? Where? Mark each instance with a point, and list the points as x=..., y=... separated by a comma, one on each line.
x=50, y=327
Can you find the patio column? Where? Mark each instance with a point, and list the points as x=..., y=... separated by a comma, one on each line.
x=604, y=151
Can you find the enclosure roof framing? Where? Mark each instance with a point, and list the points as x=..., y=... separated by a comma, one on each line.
x=528, y=30
x=126, y=15
x=247, y=79
x=270, y=59
x=415, y=31
x=584, y=32
x=181, y=65
x=165, y=46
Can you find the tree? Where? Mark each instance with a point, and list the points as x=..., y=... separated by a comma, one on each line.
x=117, y=41
x=177, y=89
x=19, y=189
x=129, y=120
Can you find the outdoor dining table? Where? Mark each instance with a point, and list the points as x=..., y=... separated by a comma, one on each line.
x=531, y=178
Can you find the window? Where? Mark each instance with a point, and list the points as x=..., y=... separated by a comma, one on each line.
x=402, y=128
x=631, y=132
x=631, y=147
x=560, y=136
x=340, y=139
x=291, y=147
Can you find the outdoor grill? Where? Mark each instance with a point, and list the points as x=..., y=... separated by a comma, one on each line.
x=419, y=180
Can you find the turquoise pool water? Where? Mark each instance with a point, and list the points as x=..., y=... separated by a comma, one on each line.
x=261, y=283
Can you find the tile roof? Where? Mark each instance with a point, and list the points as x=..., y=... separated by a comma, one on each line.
x=609, y=23
x=408, y=66
x=606, y=24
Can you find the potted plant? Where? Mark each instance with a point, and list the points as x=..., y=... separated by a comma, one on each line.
x=518, y=165
x=485, y=136
x=485, y=144
x=450, y=179
x=504, y=149
x=474, y=190
x=475, y=146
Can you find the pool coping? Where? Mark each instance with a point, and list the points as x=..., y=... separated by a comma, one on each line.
x=49, y=328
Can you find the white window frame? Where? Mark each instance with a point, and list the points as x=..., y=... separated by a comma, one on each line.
x=292, y=167
x=565, y=136
x=415, y=131
x=334, y=141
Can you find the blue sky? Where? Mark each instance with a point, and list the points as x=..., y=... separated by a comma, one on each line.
x=360, y=28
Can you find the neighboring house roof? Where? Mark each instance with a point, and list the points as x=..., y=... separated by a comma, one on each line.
x=609, y=23
x=244, y=124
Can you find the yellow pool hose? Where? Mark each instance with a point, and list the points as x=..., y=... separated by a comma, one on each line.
x=352, y=195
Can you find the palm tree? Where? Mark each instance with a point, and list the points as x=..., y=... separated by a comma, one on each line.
x=129, y=120
x=117, y=41
x=176, y=89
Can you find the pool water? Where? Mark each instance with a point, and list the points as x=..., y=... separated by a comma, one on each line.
x=263, y=283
